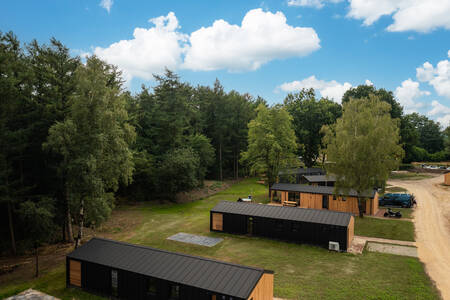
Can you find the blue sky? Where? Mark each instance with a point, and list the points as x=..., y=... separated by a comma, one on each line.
x=265, y=48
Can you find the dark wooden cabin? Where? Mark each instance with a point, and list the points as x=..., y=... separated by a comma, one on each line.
x=127, y=271
x=320, y=180
x=296, y=175
x=301, y=225
x=323, y=198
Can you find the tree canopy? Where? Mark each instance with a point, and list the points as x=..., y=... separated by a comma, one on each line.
x=309, y=115
x=271, y=142
x=363, y=146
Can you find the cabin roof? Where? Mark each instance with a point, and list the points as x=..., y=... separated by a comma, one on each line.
x=323, y=190
x=284, y=213
x=320, y=178
x=208, y=274
x=302, y=171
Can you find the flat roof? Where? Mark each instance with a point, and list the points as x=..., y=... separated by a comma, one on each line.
x=203, y=273
x=309, y=215
x=314, y=189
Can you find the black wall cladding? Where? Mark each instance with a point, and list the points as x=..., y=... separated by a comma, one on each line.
x=236, y=218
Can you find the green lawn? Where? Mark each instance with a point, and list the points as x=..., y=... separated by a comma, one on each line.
x=387, y=229
x=301, y=271
x=396, y=189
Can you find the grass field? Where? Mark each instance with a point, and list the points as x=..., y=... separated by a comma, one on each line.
x=301, y=271
x=396, y=189
x=387, y=229
x=409, y=176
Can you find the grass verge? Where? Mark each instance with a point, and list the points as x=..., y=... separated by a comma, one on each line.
x=386, y=229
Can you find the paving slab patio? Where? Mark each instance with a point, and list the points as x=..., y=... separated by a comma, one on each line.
x=195, y=239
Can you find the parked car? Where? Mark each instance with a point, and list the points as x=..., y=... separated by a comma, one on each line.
x=397, y=199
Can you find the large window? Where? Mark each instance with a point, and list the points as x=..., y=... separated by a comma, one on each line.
x=294, y=197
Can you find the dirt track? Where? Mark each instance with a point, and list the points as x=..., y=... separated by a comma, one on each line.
x=432, y=220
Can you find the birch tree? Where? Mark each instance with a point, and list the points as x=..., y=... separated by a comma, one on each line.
x=363, y=146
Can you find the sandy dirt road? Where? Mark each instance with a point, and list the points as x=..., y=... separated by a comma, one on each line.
x=432, y=222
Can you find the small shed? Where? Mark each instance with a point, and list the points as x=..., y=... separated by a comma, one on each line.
x=323, y=198
x=127, y=271
x=301, y=225
x=447, y=178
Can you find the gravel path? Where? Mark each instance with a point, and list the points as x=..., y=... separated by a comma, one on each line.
x=432, y=222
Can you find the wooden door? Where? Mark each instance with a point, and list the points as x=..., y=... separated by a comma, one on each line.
x=75, y=273
x=217, y=220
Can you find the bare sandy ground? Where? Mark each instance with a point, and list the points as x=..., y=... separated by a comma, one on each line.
x=432, y=220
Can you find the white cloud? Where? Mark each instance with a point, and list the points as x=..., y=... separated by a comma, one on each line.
x=441, y=113
x=407, y=93
x=330, y=89
x=415, y=15
x=444, y=120
x=368, y=82
x=438, y=77
x=261, y=37
x=150, y=51
x=107, y=4
x=311, y=3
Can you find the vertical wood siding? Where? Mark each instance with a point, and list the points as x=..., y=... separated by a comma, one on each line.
x=350, y=231
x=217, y=221
x=75, y=273
x=447, y=179
x=263, y=289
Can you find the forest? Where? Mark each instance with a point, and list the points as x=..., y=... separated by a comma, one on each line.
x=73, y=139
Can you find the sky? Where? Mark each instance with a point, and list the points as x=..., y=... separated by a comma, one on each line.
x=266, y=48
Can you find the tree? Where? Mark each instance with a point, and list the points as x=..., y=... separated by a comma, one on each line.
x=94, y=142
x=363, y=92
x=363, y=146
x=428, y=132
x=309, y=116
x=178, y=171
x=54, y=82
x=37, y=218
x=202, y=148
x=447, y=139
x=15, y=105
x=271, y=142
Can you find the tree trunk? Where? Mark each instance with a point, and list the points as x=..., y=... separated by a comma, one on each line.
x=37, y=261
x=68, y=220
x=80, y=228
x=220, y=161
x=64, y=231
x=11, y=229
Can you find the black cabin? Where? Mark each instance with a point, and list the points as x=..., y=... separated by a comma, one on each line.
x=301, y=225
x=128, y=271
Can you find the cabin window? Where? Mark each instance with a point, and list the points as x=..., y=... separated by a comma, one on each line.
x=325, y=201
x=334, y=197
x=344, y=198
x=174, y=292
x=114, y=282
x=294, y=197
x=152, y=286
